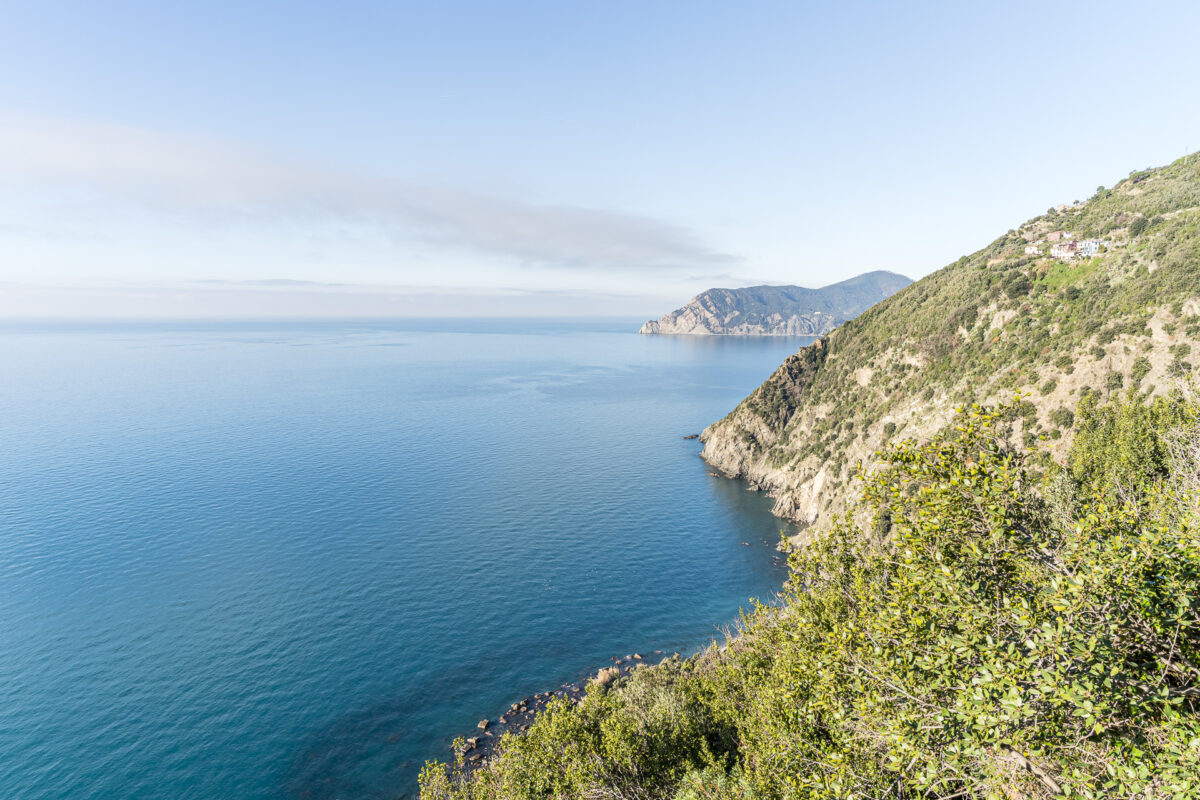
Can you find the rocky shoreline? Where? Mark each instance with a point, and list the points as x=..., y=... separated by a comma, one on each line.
x=479, y=749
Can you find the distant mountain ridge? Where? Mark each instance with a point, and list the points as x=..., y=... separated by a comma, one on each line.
x=778, y=310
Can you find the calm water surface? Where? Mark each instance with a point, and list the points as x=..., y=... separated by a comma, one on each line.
x=292, y=560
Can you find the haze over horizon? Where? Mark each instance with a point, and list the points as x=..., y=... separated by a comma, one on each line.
x=547, y=159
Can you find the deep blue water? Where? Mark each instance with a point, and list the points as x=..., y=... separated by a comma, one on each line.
x=293, y=560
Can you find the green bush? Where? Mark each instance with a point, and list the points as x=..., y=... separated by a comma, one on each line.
x=1141, y=368
x=1063, y=418
x=1120, y=445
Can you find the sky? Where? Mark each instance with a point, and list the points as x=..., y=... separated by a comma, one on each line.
x=550, y=158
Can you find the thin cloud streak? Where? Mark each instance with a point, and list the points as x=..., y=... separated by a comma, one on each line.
x=271, y=282
x=203, y=182
x=302, y=299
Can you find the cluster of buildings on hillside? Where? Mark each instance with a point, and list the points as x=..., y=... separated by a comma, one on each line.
x=1065, y=247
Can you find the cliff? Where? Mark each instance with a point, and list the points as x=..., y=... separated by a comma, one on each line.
x=778, y=310
x=1101, y=296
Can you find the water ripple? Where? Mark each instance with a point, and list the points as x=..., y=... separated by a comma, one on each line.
x=292, y=560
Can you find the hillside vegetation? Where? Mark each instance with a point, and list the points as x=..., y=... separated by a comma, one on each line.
x=988, y=634
x=993, y=323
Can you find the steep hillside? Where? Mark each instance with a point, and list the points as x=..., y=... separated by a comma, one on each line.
x=1102, y=295
x=778, y=310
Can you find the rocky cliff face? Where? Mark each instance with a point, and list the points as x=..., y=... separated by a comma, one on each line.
x=1009, y=323
x=778, y=310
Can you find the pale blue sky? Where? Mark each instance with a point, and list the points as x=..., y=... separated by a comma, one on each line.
x=551, y=157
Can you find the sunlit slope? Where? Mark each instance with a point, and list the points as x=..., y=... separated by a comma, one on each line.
x=1002, y=320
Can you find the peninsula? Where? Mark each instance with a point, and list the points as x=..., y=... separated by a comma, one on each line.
x=778, y=310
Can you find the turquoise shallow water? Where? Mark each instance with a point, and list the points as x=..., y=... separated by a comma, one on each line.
x=292, y=560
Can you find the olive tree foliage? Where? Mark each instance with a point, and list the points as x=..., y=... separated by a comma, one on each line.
x=1125, y=447
x=984, y=649
x=984, y=637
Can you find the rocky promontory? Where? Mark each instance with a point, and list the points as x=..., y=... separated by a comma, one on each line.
x=778, y=310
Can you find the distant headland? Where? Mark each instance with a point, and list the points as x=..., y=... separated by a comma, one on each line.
x=778, y=310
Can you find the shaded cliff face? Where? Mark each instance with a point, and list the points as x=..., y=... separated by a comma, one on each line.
x=1008, y=320
x=778, y=310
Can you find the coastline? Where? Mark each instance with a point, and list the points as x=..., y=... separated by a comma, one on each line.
x=481, y=746
x=478, y=749
x=471, y=752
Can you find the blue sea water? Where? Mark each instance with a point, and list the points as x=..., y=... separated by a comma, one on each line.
x=286, y=560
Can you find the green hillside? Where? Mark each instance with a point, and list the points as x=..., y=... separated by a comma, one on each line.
x=994, y=323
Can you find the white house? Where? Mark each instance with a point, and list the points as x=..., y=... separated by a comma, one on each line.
x=1065, y=251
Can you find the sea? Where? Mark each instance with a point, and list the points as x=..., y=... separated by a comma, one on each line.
x=276, y=560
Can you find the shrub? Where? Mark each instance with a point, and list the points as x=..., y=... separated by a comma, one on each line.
x=1062, y=417
x=1018, y=286
x=1141, y=368
x=1121, y=444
